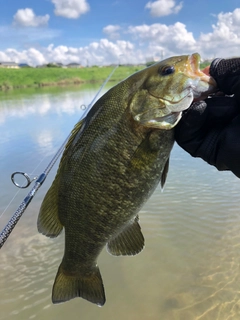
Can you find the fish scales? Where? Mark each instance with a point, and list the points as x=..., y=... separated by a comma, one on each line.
x=111, y=165
x=113, y=173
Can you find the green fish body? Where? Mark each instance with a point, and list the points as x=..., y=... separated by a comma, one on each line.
x=113, y=161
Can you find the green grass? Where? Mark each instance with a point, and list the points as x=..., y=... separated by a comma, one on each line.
x=30, y=77
x=204, y=65
x=38, y=77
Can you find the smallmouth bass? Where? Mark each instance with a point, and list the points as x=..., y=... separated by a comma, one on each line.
x=112, y=163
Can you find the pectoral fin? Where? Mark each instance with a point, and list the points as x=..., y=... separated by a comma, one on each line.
x=48, y=221
x=129, y=241
x=164, y=174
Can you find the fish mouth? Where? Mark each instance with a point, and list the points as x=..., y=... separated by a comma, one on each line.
x=194, y=71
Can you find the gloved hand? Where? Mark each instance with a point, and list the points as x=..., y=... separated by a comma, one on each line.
x=210, y=129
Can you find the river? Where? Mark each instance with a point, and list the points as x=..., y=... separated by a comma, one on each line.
x=189, y=269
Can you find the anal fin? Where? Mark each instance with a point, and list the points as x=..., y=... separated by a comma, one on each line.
x=129, y=241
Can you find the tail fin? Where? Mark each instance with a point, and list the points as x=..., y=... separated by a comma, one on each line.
x=89, y=286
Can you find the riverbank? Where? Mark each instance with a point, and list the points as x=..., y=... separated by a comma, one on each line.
x=40, y=77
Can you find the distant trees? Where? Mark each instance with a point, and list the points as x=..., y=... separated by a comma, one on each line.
x=149, y=63
x=53, y=65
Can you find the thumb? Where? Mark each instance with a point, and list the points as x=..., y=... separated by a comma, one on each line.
x=206, y=70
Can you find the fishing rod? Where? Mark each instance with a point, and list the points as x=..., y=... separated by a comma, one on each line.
x=5, y=233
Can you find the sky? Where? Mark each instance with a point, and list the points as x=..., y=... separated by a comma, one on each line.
x=102, y=32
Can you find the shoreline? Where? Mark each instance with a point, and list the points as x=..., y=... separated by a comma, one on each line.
x=11, y=79
x=50, y=84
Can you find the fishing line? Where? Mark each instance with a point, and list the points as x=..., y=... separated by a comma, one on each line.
x=41, y=178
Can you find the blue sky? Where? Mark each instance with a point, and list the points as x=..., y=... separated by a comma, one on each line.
x=109, y=31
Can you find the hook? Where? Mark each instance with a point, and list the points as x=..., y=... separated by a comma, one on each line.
x=26, y=176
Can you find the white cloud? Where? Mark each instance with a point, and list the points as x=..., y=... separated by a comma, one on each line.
x=163, y=7
x=157, y=40
x=225, y=38
x=27, y=18
x=4, y=56
x=31, y=56
x=112, y=31
x=105, y=51
x=101, y=52
x=71, y=9
x=173, y=39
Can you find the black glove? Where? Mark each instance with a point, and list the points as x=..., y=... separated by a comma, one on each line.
x=210, y=129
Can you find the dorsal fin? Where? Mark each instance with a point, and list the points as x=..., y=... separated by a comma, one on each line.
x=129, y=241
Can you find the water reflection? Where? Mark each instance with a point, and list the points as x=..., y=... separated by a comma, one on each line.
x=22, y=104
x=190, y=266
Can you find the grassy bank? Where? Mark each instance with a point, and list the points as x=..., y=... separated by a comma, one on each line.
x=39, y=77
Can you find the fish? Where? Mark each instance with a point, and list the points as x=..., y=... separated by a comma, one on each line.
x=114, y=160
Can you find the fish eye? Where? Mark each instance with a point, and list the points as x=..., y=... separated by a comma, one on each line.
x=164, y=71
